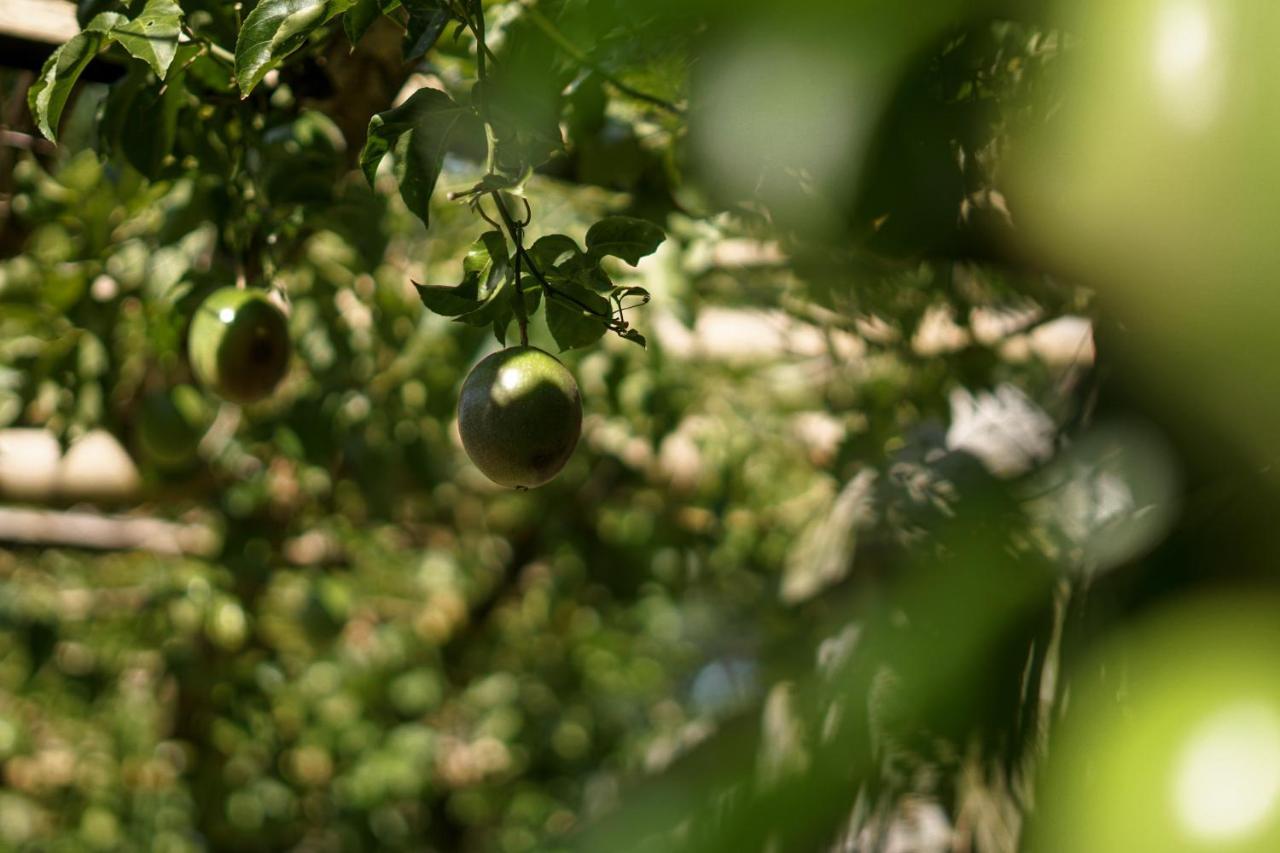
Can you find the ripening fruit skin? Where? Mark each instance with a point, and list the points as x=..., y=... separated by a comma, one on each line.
x=170, y=425
x=520, y=415
x=239, y=344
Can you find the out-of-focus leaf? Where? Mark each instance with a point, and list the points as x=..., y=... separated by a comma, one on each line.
x=87, y=10
x=624, y=237
x=427, y=20
x=418, y=130
x=304, y=160
x=140, y=117
x=359, y=18
x=824, y=553
x=48, y=94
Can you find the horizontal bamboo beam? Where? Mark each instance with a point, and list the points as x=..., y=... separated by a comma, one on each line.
x=48, y=22
x=31, y=29
x=79, y=529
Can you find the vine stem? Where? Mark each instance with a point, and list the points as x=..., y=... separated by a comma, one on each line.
x=475, y=21
x=522, y=314
x=610, y=321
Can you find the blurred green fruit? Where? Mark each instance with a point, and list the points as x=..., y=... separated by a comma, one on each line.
x=239, y=344
x=520, y=416
x=170, y=425
x=1172, y=739
x=1156, y=181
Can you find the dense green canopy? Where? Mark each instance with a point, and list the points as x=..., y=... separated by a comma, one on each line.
x=923, y=354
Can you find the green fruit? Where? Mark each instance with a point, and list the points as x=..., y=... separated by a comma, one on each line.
x=239, y=344
x=170, y=425
x=520, y=416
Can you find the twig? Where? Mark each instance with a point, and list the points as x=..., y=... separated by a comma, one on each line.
x=215, y=50
x=26, y=142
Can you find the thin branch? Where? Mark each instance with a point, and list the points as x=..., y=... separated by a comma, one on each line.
x=218, y=52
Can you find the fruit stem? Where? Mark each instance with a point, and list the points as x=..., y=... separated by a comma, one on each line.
x=522, y=313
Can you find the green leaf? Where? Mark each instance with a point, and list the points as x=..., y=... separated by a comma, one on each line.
x=48, y=94
x=87, y=10
x=488, y=264
x=359, y=18
x=632, y=292
x=524, y=302
x=418, y=130
x=586, y=271
x=635, y=338
x=362, y=15
x=273, y=30
x=447, y=301
x=573, y=314
x=139, y=118
x=427, y=20
x=532, y=294
x=502, y=312
x=153, y=35
x=624, y=237
x=488, y=261
x=553, y=249
x=484, y=273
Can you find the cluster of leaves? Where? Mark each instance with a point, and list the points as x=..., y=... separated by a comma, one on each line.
x=582, y=301
x=181, y=69
x=384, y=652
x=450, y=665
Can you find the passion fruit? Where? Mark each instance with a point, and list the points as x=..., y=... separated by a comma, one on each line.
x=239, y=344
x=520, y=415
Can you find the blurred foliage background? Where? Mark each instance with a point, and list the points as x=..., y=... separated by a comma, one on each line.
x=835, y=551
